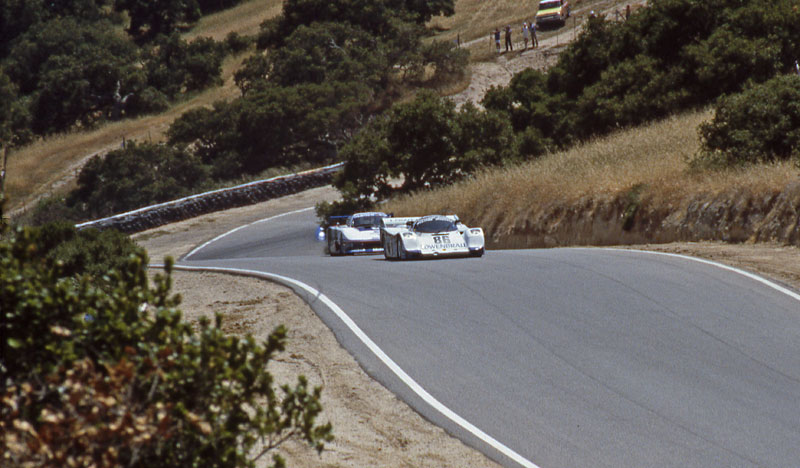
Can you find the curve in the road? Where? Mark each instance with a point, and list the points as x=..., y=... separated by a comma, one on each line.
x=572, y=357
x=378, y=352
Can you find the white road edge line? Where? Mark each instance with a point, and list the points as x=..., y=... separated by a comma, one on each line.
x=379, y=353
x=744, y=273
x=396, y=369
x=197, y=249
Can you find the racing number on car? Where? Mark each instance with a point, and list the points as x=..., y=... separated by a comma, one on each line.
x=440, y=239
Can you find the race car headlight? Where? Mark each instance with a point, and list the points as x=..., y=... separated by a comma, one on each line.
x=408, y=234
x=474, y=231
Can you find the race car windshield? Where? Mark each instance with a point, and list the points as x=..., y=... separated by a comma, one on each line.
x=435, y=225
x=367, y=221
x=549, y=5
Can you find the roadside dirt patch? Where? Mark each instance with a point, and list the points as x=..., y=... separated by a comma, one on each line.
x=371, y=426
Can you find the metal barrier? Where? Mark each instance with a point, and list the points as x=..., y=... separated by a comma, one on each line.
x=217, y=200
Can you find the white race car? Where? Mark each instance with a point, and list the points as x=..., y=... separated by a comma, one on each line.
x=429, y=237
x=360, y=233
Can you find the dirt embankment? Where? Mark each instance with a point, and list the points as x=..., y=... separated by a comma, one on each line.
x=634, y=218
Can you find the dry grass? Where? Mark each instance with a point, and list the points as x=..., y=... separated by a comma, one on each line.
x=654, y=157
x=245, y=19
x=477, y=18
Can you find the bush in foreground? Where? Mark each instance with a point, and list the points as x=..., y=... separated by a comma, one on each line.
x=113, y=377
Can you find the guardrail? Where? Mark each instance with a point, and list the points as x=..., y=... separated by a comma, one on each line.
x=217, y=200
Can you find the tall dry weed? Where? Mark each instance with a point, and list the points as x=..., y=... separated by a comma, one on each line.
x=653, y=158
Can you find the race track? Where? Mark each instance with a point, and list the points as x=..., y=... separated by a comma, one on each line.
x=564, y=357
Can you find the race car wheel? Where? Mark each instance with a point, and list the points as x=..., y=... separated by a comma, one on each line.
x=387, y=249
x=401, y=250
x=476, y=253
x=333, y=247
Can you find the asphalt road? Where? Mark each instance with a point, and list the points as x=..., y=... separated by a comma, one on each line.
x=563, y=357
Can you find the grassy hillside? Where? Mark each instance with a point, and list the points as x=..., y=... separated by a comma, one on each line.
x=50, y=166
x=587, y=194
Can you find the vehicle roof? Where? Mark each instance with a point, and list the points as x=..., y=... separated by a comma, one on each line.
x=452, y=218
x=369, y=213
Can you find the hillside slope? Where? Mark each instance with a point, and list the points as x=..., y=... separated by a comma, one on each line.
x=633, y=187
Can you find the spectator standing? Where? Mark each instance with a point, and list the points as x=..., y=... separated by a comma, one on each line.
x=497, y=39
x=526, y=34
x=509, y=45
x=534, y=39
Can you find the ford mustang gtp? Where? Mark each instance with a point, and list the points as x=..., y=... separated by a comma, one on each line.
x=360, y=233
x=429, y=237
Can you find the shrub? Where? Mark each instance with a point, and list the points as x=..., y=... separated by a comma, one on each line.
x=113, y=377
x=446, y=59
x=236, y=43
x=177, y=66
x=671, y=56
x=86, y=253
x=148, y=101
x=135, y=176
x=760, y=124
x=427, y=142
x=49, y=210
x=71, y=71
x=273, y=126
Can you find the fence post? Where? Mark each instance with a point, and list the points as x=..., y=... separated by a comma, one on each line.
x=3, y=174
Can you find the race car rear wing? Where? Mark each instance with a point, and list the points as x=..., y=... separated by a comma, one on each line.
x=337, y=220
x=396, y=222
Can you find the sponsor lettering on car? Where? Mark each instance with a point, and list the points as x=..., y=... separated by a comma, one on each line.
x=444, y=246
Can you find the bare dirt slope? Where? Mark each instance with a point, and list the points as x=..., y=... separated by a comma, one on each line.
x=372, y=427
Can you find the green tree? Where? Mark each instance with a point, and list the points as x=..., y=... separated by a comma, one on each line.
x=14, y=115
x=149, y=18
x=321, y=52
x=668, y=57
x=426, y=142
x=84, y=253
x=18, y=16
x=210, y=6
x=274, y=126
x=138, y=175
x=760, y=124
x=212, y=136
x=531, y=107
x=379, y=18
x=177, y=66
x=114, y=377
x=71, y=70
x=423, y=10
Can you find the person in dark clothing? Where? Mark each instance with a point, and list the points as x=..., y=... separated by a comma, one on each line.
x=509, y=45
